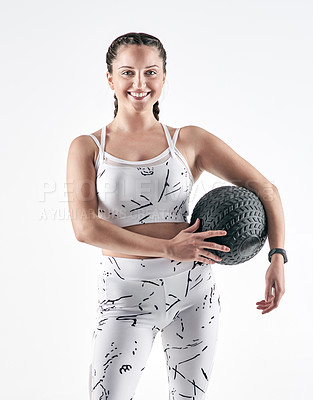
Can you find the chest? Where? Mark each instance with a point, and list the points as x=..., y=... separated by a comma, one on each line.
x=153, y=147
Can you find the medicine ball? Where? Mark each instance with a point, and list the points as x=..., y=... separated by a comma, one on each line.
x=241, y=214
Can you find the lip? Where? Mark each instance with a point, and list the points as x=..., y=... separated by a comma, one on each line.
x=138, y=91
x=139, y=98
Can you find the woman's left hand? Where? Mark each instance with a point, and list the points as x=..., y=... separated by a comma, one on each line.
x=275, y=280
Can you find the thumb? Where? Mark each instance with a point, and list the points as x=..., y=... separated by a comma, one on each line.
x=194, y=226
x=268, y=292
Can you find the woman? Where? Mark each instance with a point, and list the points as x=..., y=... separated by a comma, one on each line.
x=131, y=185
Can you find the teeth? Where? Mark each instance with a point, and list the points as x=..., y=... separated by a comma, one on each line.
x=139, y=94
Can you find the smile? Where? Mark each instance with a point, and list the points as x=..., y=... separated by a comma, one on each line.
x=139, y=95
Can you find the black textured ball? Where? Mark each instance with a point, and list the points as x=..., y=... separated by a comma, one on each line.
x=238, y=211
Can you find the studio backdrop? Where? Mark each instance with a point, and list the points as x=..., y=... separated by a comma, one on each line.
x=241, y=70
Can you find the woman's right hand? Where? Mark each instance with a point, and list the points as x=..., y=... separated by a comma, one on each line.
x=190, y=246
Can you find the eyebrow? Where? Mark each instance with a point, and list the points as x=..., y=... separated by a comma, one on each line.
x=127, y=66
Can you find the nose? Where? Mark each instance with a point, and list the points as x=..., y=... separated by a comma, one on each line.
x=139, y=83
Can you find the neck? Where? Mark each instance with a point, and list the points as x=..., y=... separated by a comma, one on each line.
x=134, y=121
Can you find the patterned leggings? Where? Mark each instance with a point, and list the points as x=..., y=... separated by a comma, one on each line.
x=137, y=298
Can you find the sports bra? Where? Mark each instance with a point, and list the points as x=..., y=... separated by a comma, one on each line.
x=140, y=192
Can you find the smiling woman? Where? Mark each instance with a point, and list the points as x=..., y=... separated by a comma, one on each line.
x=142, y=79
x=130, y=187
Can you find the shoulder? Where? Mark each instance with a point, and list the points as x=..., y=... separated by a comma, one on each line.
x=97, y=134
x=201, y=143
x=195, y=138
x=199, y=136
x=196, y=132
x=85, y=145
x=82, y=141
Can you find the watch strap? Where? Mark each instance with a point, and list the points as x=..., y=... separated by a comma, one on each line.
x=278, y=250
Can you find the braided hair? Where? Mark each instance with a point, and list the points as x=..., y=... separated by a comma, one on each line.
x=134, y=38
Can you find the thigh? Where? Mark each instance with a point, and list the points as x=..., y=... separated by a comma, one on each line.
x=127, y=321
x=120, y=353
x=190, y=339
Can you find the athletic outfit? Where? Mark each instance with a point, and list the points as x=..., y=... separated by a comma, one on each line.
x=137, y=298
x=138, y=192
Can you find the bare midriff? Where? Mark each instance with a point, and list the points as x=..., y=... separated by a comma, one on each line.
x=160, y=230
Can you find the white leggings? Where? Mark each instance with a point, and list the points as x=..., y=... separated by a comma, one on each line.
x=137, y=298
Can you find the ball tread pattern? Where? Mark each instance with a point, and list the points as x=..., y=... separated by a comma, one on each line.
x=238, y=211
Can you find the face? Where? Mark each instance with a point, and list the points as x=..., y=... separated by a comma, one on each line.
x=131, y=74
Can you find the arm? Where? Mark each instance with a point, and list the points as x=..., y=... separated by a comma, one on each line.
x=106, y=235
x=215, y=156
x=83, y=207
x=187, y=245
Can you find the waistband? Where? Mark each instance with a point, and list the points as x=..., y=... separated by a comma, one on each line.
x=145, y=268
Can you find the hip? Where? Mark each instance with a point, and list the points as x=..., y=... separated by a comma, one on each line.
x=147, y=268
x=153, y=286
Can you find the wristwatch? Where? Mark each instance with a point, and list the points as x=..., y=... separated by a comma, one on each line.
x=277, y=250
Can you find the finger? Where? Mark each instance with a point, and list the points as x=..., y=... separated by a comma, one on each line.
x=278, y=295
x=264, y=301
x=205, y=260
x=215, y=246
x=210, y=257
x=265, y=307
x=268, y=290
x=213, y=256
x=193, y=227
x=208, y=234
x=269, y=309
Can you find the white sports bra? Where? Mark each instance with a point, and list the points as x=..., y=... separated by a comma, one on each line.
x=140, y=192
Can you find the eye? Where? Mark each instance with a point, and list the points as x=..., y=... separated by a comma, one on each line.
x=125, y=71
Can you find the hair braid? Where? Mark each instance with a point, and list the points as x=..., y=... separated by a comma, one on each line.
x=115, y=105
x=156, y=110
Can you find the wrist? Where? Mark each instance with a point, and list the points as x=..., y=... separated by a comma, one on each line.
x=166, y=248
x=277, y=258
x=277, y=251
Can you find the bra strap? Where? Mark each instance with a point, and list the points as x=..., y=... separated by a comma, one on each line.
x=169, y=140
x=175, y=136
x=95, y=140
x=103, y=134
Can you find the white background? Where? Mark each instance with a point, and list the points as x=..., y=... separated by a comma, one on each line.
x=240, y=69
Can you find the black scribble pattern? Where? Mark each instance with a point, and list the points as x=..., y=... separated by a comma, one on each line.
x=169, y=203
x=133, y=308
x=138, y=298
x=146, y=170
x=165, y=185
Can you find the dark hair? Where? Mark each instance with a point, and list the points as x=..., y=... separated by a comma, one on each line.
x=134, y=38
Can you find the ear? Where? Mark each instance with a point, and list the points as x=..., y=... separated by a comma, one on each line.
x=110, y=80
x=164, y=75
